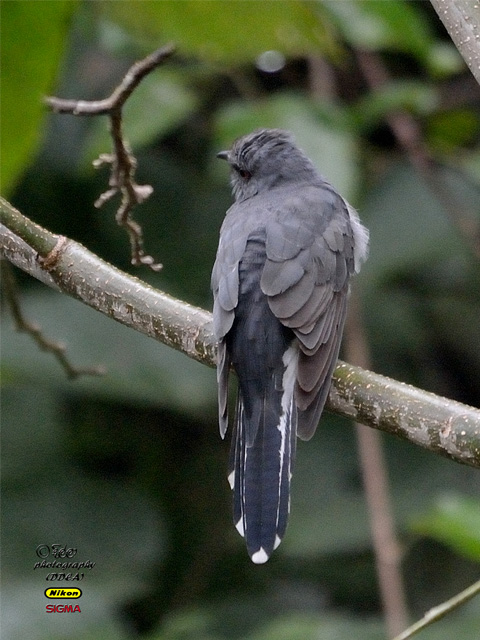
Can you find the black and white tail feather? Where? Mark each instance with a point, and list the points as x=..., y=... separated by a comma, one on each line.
x=288, y=247
x=260, y=471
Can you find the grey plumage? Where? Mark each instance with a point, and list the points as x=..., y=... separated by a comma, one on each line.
x=287, y=249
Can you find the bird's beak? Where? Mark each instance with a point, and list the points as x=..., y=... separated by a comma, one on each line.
x=223, y=155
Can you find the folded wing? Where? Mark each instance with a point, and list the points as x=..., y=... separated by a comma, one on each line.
x=310, y=256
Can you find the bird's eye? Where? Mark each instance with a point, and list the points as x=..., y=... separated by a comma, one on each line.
x=243, y=173
x=246, y=175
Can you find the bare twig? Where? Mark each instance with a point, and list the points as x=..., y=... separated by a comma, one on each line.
x=408, y=135
x=122, y=161
x=440, y=611
x=388, y=555
x=118, y=98
x=10, y=292
x=442, y=426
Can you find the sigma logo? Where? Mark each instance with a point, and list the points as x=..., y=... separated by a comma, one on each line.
x=62, y=608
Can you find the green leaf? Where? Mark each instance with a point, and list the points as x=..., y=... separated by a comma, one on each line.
x=444, y=59
x=231, y=32
x=33, y=36
x=408, y=227
x=455, y=521
x=409, y=95
x=377, y=24
x=450, y=129
x=470, y=162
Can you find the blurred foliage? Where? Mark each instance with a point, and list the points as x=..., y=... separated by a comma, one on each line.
x=237, y=32
x=129, y=468
x=454, y=520
x=33, y=38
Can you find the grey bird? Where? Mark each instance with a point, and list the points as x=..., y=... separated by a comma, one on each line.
x=287, y=249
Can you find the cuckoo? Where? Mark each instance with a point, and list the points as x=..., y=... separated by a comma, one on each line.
x=288, y=247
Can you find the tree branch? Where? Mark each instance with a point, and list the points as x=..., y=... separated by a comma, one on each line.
x=462, y=21
x=69, y=267
x=117, y=99
x=440, y=425
x=57, y=349
x=122, y=161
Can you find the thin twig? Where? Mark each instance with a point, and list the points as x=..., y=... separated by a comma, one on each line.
x=122, y=161
x=10, y=291
x=440, y=611
x=387, y=550
x=119, y=96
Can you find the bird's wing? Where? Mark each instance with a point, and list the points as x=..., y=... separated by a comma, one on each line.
x=310, y=256
x=225, y=286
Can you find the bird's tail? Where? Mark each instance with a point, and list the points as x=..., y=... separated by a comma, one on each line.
x=261, y=470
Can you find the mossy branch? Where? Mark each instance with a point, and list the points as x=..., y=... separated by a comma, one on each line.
x=440, y=425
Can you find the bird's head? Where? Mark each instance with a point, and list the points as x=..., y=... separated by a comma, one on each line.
x=265, y=159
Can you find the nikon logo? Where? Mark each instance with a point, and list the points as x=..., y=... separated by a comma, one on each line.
x=63, y=593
